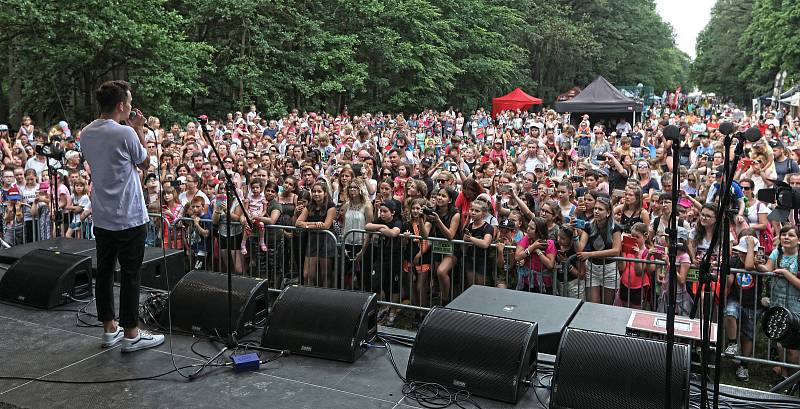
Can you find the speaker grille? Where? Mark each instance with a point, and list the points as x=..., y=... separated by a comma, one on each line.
x=41, y=277
x=603, y=371
x=321, y=322
x=199, y=303
x=485, y=355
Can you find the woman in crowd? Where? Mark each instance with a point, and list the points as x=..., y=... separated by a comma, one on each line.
x=478, y=234
x=384, y=257
x=317, y=219
x=562, y=170
x=601, y=239
x=417, y=257
x=646, y=182
x=755, y=215
x=445, y=221
x=785, y=287
x=631, y=210
x=355, y=214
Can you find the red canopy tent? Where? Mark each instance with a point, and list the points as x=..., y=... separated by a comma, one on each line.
x=516, y=99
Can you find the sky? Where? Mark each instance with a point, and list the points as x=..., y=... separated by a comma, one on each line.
x=688, y=18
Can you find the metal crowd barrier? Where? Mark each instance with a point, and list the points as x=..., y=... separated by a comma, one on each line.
x=414, y=272
x=391, y=267
x=292, y=255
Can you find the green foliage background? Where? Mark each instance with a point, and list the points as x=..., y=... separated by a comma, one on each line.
x=189, y=56
x=745, y=44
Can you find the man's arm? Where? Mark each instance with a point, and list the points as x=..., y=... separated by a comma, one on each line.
x=137, y=123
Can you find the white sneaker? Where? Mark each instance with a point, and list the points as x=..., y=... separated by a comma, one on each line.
x=742, y=374
x=112, y=338
x=390, y=321
x=142, y=341
x=732, y=350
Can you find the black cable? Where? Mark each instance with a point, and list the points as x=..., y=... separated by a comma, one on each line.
x=162, y=203
x=65, y=381
x=428, y=395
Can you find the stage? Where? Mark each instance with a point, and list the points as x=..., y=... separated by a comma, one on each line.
x=48, y=344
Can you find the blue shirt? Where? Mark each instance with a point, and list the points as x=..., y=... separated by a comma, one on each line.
x=113, y=152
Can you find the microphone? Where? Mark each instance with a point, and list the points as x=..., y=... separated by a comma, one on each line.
x=672, y=133
x=726, y=128
x=752, y=134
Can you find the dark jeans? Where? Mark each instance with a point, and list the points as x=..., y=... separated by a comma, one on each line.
x=127, y=246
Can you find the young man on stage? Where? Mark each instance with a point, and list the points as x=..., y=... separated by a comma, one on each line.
x=114, y=151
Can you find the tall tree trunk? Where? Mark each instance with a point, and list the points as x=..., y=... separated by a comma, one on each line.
x=15, y=87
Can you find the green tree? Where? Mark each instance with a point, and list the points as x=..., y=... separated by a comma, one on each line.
x=720, y=56
x=60, y=52
x=771, y=44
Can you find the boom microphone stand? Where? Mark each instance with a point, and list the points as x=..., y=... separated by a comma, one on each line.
x=722, y=230
x=230, y=192
x=672, y=133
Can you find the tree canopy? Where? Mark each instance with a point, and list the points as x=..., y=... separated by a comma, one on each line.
x=745, y=44
x=188, y=56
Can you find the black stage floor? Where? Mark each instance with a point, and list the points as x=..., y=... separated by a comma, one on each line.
x=48, y=344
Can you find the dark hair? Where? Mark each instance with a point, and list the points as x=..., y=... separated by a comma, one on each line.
x=110, y=94
x=701, y=230
x=269, y=185
x=541, y=227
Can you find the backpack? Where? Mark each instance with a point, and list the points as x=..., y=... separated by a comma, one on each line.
x=766, y=236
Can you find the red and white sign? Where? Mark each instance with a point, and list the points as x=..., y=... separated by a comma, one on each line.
x=656, y=323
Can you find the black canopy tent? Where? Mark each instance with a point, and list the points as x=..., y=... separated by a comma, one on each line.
x=600, y=97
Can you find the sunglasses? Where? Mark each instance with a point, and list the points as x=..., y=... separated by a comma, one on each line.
x=747, y=188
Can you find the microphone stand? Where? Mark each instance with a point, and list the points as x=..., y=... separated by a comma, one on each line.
x=722, y=231
x=230, y=192
x=672, y=273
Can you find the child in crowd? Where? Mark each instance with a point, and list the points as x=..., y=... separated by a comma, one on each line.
x=537, y=257
x=635, y=284
x=569, y=272
x=403, y=175
x=172, y=211
x=197, y=230
x=80, y=208
x=256, y=205
x=506, y=266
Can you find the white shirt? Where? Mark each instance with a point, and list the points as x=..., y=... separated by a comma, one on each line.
x=113, y=152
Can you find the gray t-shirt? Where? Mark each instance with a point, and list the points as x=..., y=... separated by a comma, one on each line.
x=113, y=151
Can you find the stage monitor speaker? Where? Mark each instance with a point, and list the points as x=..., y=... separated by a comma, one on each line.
x=199, y=304
x=595, y=370
x=158, y=265
x=46, y=279
x=551, y=313
x=322, y=322
x=489, y=356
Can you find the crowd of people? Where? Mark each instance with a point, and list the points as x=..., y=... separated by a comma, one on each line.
x=417, y=207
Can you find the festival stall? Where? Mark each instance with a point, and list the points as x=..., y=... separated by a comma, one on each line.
x=600, y=97
x=516, y=99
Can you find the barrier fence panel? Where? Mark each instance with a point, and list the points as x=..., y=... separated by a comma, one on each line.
x=413, y=273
